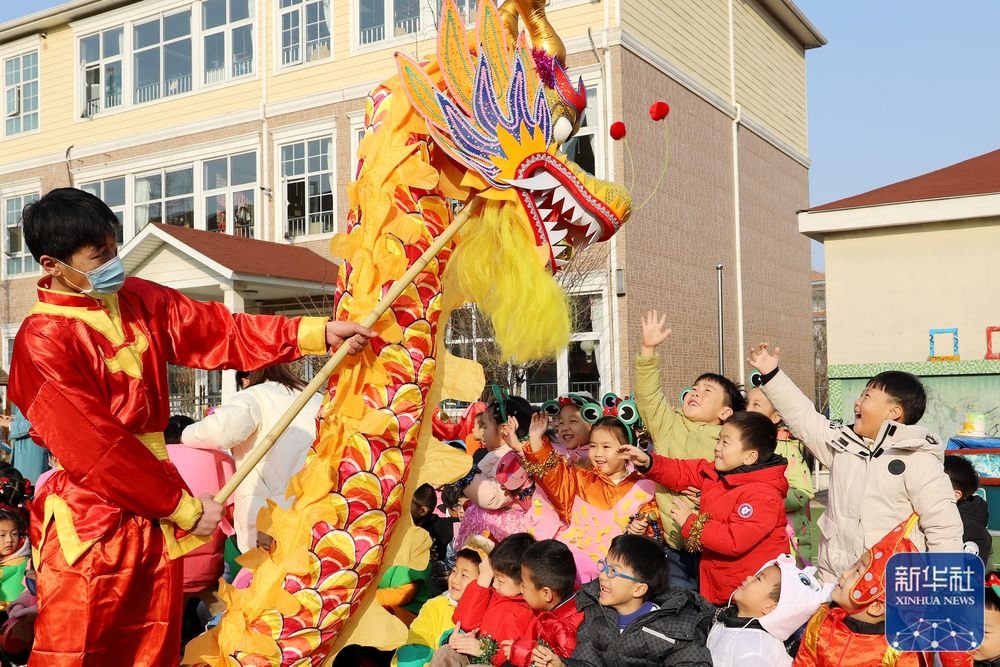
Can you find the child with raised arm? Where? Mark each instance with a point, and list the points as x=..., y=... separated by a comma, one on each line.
x=741, y=522
x=882, y=468
x=687, y=432
x=597, y=502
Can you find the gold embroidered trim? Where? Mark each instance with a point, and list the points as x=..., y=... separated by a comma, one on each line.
x=694, y=541
x=536, y=470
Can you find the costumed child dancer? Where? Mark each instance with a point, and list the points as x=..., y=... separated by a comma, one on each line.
x=90, y=372
x=686, y=433
x=851, y=631
x=15, y=549
x=741, y=521
x=572, y=429
x=988, y=653
x=596, y=503
x=800, y=487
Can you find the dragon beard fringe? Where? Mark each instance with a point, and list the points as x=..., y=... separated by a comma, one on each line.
x=495, y=266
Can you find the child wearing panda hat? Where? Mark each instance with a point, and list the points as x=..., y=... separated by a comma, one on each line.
x=764, y=612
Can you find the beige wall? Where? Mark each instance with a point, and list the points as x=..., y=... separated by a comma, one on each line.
x=777, y=291
x=770, y=74
x=886, y=287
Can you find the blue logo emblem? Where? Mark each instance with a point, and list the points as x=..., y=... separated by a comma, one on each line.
x=934, y=602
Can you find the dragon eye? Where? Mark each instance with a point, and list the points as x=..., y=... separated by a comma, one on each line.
x=562, y=130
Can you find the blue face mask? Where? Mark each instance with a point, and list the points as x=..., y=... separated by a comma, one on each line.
x=106, y=279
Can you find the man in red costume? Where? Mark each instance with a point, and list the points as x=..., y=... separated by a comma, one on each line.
x=89, y=371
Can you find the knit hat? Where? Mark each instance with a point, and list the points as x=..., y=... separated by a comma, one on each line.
x=802, y=593
x=871, y=584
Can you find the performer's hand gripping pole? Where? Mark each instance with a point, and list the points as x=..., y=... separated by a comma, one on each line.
x=321, y=378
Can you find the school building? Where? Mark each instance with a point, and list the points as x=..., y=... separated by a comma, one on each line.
x=223, y=133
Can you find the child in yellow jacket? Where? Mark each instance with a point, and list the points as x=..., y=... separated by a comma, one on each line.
x=688, y=432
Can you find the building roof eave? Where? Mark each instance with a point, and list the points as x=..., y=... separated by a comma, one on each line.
x=796, y=22
x=56, y=16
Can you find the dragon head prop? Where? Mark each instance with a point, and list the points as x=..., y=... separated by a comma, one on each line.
x=503, y=110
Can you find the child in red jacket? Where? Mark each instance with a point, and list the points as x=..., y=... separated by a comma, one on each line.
x=492, y=609
x=740, y=524
x=548, y=579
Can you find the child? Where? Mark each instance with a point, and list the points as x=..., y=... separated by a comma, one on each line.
x=741, y=522
x=882, y=468
x=631, y=617
x=15, y=554
x=548, y=577
x=594, y=502
x=572, y=429
x=89, y=371
x=492, y=608
x=974, y=511
x=441, y=529
x=687, y=433
x=987, y=654
x=434, y=620
x=493, y=509
x=851, y=630
x=767, y=609
x=800, y=487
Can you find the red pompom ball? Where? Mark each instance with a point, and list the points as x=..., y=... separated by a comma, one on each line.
x=659, y=110
x=617, y=130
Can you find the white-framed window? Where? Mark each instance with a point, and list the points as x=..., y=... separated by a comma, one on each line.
x=469, y=9
x=229, y=184
x=112, y=192
x=162, y=57
x=585, y=148
x=101, y=60
x=20, y=85
x=307, y=179
x=19, y=261
x=584, y=364
x=218, y=193
x=382, y=20
x=227, y=35
x=165, y=196
x=357, y=121
x=306, y=31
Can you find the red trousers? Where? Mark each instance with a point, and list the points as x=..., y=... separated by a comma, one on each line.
x=118, y=605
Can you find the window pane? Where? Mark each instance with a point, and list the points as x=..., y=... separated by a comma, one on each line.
x=146, y=34
x=243, y=213
x=114, y=192
x=584, y=362
x=215, y=213
x=176, y=26
x=239, y=10
x=147, y=76
x=90, y=48
x=177, y=67
x=92, y=188
x=148, y=188
x=180, y=212
x=180, y=182
x=244, y=168
x=243, y=50
x=215, y=173
x=113, y=42
x=213, y=14
x=319, y=155
x=580, y=149
x=113, y=85
x=372, y=13
x=215, y=57
x=290, y=3
x=290, y=38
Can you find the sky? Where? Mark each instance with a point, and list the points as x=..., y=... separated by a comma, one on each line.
x=902, y=88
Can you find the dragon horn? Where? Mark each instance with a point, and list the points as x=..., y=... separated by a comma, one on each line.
x=543, y=35
x=508, y=14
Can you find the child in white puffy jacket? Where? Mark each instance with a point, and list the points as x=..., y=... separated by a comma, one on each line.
x=242, y=423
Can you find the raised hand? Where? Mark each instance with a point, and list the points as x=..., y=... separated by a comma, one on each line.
x=539, y=424
x=654, y=331
x=637, y=526
x=680, y=512
x=635, y=455
x=762, y=358
x=510, y=434
x=465, y=643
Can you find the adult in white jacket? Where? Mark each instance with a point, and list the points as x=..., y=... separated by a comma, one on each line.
x=241, y=424
x=882, y=468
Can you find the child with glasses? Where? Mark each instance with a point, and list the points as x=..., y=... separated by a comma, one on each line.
x=631, y=617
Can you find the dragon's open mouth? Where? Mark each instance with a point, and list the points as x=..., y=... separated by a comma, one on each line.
x=564, y=211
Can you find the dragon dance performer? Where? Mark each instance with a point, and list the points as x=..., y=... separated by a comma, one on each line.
x=90, y=371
